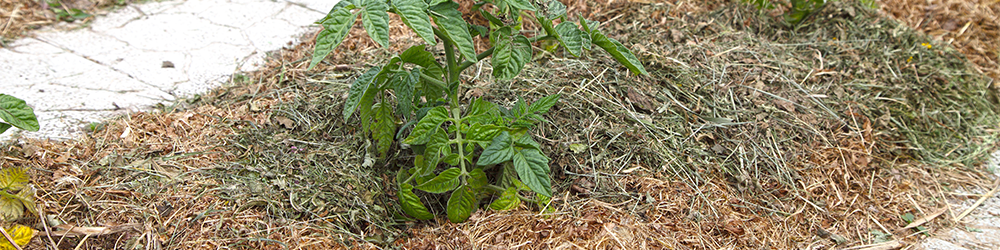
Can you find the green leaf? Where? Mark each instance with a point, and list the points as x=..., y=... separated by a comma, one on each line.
x=544, y=104
x=411, y=203
x=461, y=204
x=414, y=15
x=525, y=141
x=619, y=52
x=427, y=126
x=358, y=90
x=4, y=127
x=17, y=113
x=510, y=54
x=336, y=25
x=481, y=111
x=500, y=150
x=520, y=4
x=418, y=55
x=570, y=37
x=437, y=144
x=508, y=200
x=477, y=178
x=385, y=128
x=376, y=21
x=403, y=85
x=444, y=182
x=483, y=132
x=553, y=9
x=450, y=21
x=588, y=26
x=452, y=159
x=533, y=169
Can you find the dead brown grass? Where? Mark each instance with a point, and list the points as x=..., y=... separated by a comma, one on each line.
x=971, y=26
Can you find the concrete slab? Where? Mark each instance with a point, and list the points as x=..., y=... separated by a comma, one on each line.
x=145, y=54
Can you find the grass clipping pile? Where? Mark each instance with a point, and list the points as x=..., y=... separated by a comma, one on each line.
x=749, y=134
x=746, y=134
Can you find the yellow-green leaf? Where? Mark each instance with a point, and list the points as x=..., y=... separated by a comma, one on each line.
x=411, y=203
x=508, y=200
x=21, y=236
x=461, y=204
x=444, y=182
x=11, y=207
x=13, y=178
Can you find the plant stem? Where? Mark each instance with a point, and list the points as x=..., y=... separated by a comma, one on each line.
x=479, y=57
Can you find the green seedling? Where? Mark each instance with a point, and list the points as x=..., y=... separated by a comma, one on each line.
x=456, y=146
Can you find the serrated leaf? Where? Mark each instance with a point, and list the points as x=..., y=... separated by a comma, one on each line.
x=427, y=126
x=446, y=181
x=461, y=204
x=450, y=21
x=520, y=4
x=11, y=207
x=336, y=25
x=13, y=178
x=619, y=52
x=508, y=200
x=17, y=113
x=499, y=150
x=358, y=90
x=376, y=21
x=21, y=236
x=411, y=203
x=27, y=197
x=570, y=37
x=533, y=169
x=510, y=53
x=414, y=15
x=385, y=128
x=544, y=104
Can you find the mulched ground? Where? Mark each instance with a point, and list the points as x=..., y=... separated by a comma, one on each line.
x=748, y=134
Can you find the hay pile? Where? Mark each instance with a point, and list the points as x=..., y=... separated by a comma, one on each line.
x=747, y=134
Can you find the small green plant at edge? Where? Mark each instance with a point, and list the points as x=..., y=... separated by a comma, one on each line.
x=15, y=112
x=425, y=93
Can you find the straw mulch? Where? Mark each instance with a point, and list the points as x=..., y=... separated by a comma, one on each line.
x=971, y=26
x=746, y=135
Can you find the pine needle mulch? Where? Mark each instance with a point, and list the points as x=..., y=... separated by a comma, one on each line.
x=748, y=134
